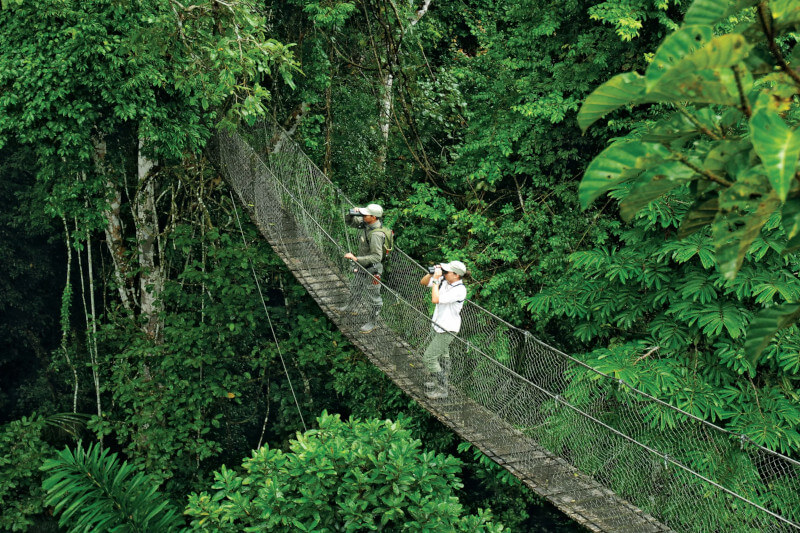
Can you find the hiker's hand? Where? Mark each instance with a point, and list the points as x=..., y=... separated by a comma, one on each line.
x=350, y=256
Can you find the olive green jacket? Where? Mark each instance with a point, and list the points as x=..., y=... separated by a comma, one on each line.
x=370, y=244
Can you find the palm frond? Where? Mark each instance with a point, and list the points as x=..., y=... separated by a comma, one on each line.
x=92, y=491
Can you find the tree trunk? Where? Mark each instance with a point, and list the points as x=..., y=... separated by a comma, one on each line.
x=90, y=314
x=115, y=231
x=151, y=280
x=387, y=81
x=326, y=169
x=65, y=304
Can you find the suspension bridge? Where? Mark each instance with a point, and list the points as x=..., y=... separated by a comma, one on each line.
x=609, y=456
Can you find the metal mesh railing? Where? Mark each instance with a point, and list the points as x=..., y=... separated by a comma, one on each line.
x=690, y=474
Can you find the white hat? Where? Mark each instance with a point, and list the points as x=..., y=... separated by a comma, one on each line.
x=372, y=209
x=455, y=266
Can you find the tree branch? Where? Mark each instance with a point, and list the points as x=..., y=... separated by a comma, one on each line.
x=748, y=112
x=700, y=126
x=763, y=13
x=703, y=172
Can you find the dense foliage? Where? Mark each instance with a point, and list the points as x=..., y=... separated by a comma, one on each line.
x=133, y=294
x=709, y=250
x=342, y=476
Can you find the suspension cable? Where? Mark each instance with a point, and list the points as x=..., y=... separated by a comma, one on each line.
x=266, y=311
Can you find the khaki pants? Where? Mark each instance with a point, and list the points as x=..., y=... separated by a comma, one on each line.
x=437, y=354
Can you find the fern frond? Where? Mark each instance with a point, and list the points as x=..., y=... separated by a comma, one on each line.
x=699, y=286
x=683, y=250
x=718, y=315
x=67, y=422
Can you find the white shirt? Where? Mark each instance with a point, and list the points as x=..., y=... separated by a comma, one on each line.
x=447, y=315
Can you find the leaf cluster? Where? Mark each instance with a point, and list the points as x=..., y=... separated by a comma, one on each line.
x=731, y=137
x=22, y=449
x=673, y=326
x=342, y=476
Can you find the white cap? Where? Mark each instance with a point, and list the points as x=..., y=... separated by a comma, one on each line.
x=455, y=266
x=372, y=209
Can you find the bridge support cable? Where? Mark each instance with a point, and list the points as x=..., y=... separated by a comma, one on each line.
x=611, y=457
x=271, y=328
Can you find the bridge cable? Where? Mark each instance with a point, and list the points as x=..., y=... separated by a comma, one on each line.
x=269, y=320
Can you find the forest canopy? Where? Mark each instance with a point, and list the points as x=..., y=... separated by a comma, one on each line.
x=620, y=176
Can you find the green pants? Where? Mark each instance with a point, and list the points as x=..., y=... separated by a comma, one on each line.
x=438, y=352
x=365, y=294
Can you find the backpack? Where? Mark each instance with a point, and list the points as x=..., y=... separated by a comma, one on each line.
x=388, y=243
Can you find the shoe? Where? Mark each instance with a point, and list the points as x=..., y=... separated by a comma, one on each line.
x=369, y=326
x=346, y=310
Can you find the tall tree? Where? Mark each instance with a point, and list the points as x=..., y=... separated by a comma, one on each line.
x=110, y=95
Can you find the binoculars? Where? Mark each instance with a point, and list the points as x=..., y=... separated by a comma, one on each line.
x=354, y=212
x=432, y=269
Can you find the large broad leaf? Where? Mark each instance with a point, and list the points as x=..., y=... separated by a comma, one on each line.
x=791, y=224
x=785, y=13
x=777, y=146
x=704, y=76
x=622, y=89
x=708, y=86
x=735, y=230
x=720, y=52
x=700, y=215
x=692, y=66
x=674, y=49
x=791, y=218
x=617, y=163
x=764, y=327
x=744, y=208
x=652, y=184
x=678, y=127
x=719, y=158
x=709, y=12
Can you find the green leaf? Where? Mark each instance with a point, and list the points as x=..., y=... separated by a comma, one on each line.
x=652, y=184
x=622, y=89
x=709, y=86
x=791, y=223
x=615, y=164
x=785, y=13
x=709, y=12
x=764, y=327
x=692, y=66
x=674, y=49
x=735, y=231
x=778, y=147
x=720, y=52
x=721, y=315
x=744, y=208
x=720, y=156
x=700, y=215
x=678, y=127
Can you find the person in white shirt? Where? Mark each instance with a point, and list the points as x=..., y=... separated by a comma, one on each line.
x=448, y=293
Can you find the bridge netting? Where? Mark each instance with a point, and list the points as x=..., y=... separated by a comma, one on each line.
x=690, y=474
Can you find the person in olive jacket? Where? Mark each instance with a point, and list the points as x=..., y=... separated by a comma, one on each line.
x=374, y=243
